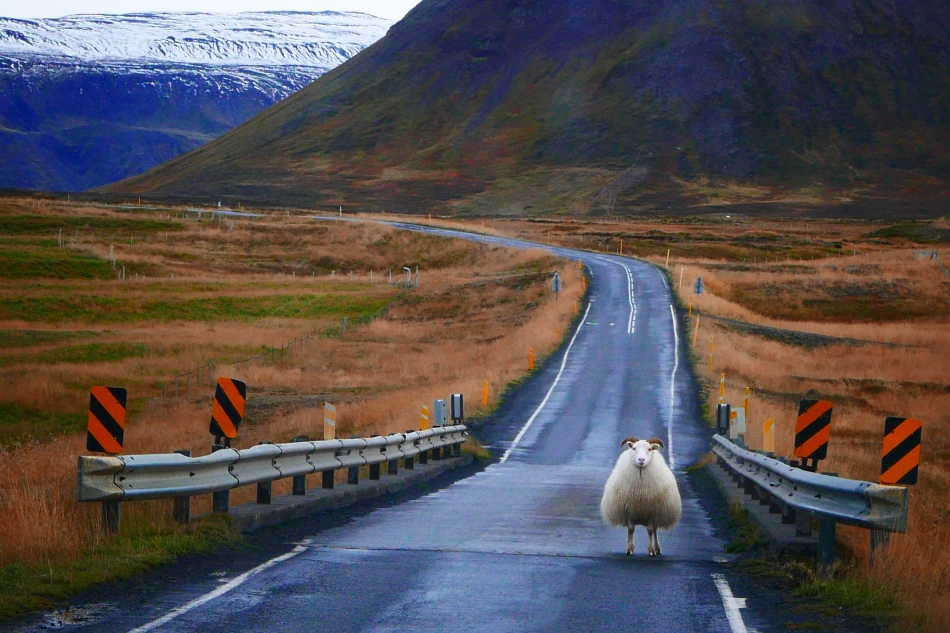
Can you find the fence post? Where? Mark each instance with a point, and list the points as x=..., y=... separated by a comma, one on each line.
x=182, y=510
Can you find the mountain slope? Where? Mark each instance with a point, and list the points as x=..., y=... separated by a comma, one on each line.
x=87, y=100
x=603, y=105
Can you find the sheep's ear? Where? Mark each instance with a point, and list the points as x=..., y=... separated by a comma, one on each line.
x=656, y=442
x=629, y=441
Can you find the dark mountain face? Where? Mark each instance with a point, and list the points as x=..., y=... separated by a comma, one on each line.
x=615, y=100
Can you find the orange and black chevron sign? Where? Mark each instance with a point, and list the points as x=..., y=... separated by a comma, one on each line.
x=106, y=428
x=813, y=429
x=901, y=455
x=227, y=412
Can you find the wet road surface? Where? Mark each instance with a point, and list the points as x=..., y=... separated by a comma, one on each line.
x=518, y=546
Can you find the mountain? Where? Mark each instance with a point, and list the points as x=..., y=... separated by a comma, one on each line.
x=606, y=106
x=89, y=99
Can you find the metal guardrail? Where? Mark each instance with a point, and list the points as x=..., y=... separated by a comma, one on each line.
x=800, y=495
x=140, y=477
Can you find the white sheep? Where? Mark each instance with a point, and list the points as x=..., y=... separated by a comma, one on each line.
x=641, y=490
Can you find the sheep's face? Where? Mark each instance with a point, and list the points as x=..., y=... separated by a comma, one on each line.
x=641, y=451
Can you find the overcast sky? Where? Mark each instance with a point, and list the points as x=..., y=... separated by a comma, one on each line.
x=393, y=9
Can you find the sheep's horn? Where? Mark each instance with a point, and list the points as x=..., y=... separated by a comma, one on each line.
x=629, y=439
x=656, y=440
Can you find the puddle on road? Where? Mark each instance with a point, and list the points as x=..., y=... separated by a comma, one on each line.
x=74, y=616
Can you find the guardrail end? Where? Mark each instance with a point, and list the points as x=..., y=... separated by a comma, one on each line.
x=96, y=478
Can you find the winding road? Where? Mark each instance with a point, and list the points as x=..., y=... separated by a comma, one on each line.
x=517, y=546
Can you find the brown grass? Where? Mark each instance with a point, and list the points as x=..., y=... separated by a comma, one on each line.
x=477, y=313
x=829, y=278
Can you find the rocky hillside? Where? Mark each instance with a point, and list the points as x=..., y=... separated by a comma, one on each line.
x=607, y=106
x=89, y=99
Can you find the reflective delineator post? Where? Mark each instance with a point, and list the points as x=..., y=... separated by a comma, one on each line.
x=485, y=393
x=768, y=436
x=530, y=360
x=722, y=377
x=745, y=402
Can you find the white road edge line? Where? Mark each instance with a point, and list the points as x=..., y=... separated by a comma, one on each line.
x=557, y=379
x=676, y=365
x=220, y=591
x=731, y=604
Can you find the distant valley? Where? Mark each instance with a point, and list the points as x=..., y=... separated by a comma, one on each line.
x=90, y=99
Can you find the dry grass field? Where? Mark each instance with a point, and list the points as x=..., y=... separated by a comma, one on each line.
x=880, y=286
x=199, y=292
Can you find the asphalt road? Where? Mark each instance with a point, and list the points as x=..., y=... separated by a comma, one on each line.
x=519, y=545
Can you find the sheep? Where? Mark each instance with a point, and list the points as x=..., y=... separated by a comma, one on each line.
x=641, y=490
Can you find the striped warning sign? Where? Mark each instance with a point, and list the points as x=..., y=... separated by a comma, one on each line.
x=106, y=428
x=230, y=400
x=901, y=455
x=813, y=429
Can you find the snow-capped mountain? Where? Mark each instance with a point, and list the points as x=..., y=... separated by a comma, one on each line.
x=89, y=99
x=318, y=40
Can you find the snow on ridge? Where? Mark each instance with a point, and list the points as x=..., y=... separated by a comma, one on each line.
x=278, y=38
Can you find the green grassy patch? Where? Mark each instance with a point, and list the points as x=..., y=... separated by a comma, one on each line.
x=19, y=425
x=917, y=232
x=118, y=309
x=844, y=588
x=746, y=534
x=25, y=338
x=25, y=589
x=107, y=226
x=51, y=263
x=87, y=353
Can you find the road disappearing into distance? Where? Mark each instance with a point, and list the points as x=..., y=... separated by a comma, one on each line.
x=519, y=545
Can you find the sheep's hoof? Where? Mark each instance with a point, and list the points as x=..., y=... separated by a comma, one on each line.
x=629, y=551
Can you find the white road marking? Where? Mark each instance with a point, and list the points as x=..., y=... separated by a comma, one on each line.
x=220, y=591
x=547, y=397
x=631, y=296
x=731, y=604
x=676, y=365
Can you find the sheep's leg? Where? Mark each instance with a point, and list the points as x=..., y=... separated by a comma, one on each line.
x=630, y=540
x=654, y=541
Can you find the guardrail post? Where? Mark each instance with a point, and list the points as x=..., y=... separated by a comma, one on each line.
x=300, y=481
x=182, y=510
x=424, y=457
x=264, y=488
x=409, y=462
x=802, y=524
x=329, y=478
x=456, y=449
x=826, y=544
x=393, y=467
x=220, y=501
x=879, y=541
x=789, y=516
x=353, y=476
x=374, y=472
x=111, y=516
